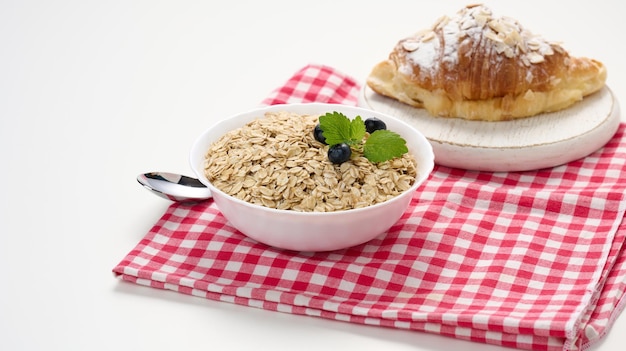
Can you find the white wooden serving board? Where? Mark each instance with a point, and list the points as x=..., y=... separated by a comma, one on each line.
x=542, y=141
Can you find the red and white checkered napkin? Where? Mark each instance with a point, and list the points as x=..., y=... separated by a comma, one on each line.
x=529, y=260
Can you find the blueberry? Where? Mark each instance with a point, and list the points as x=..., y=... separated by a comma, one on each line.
x=373, y=124
x=319, y=135
x=339, y=153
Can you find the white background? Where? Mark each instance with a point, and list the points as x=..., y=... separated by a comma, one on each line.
x=93, y=93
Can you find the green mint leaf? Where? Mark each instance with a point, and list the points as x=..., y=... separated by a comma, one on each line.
x=383, y=145
x=357, y=130
x=335, y=127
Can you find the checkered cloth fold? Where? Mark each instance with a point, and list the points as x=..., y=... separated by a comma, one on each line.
x=528, y=260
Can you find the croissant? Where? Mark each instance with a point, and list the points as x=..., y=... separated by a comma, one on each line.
x=480, y=67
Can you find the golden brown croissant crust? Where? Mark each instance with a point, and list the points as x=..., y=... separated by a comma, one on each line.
x=477, y=66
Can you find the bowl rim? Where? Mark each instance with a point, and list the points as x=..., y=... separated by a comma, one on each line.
x=278, y=107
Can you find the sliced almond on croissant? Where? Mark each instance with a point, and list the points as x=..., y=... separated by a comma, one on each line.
x=480, y=67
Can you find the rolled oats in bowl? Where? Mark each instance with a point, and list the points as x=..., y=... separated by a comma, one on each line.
x=275, y=161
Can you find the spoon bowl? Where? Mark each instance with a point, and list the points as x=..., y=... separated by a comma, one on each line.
x=174, y=187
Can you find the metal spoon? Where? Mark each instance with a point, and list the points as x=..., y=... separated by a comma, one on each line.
x=174, y=187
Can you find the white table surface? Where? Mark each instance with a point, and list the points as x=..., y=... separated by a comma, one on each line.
x=93, y=93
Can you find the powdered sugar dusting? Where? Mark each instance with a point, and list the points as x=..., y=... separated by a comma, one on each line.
x=424, y=54
x=451, y=32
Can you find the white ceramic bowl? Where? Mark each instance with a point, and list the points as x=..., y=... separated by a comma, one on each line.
x=313, y=231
